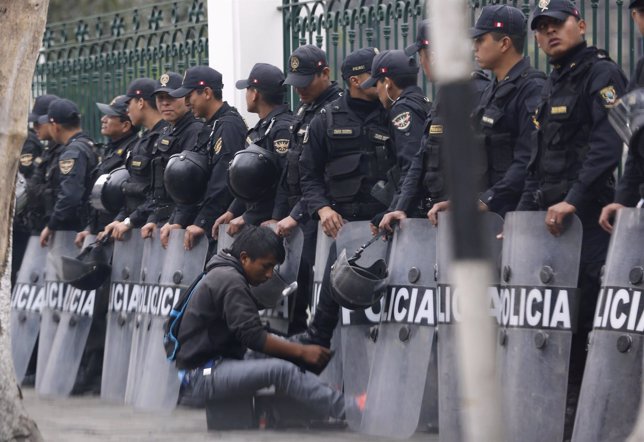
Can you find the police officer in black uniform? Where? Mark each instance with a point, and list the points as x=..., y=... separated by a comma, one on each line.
x=265, y=97
x=180, y=134
x=122, y=135
x=576, y=152
x=630, y=189
x=142, y=110
x=350, y=134
x=223, y=134
x=70, y=183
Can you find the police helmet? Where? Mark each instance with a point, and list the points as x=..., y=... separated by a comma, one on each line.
x=107, y=193
x=253, y=174
x=186, y=176
x=90, y=269
x=627, y=117
x=355, y=287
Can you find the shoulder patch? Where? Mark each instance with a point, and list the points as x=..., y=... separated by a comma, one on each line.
x=26, y=160
x=218, y=145
x=608, y=95
x=66, y=166
x=402, y=121
x=281, y=145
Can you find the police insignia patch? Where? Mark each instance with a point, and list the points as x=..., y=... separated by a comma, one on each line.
x=609, y=95
x=26, y=159
x=66, y=166
x=402, y=121
x=165, y=78
x=543, y=4
x=295, y=63
x=281, y=145
x=218, y=145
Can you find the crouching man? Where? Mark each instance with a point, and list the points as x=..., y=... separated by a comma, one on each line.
x=221, y=322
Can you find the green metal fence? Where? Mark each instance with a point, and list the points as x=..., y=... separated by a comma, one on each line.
x=93, y=59
x=340, y=26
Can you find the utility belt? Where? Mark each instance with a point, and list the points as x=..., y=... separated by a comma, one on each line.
x=358, y=211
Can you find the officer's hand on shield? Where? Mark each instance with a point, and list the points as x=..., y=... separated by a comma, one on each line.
x=607, y=217
x=235, y=226
x=331, y=221
x=556, y=216
x=45, y=235
x=147, y=230
x=223, y=219
x=285, y=226
x=432, y=215
x=80, y=238
x=120, y=229
x=164, y=233
x=108, y=230
x=390, y=219
x=193, y=233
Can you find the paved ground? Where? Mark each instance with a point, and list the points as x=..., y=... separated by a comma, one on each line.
x=87, y=419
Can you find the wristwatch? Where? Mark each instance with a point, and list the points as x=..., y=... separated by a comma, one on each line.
x=127, y=222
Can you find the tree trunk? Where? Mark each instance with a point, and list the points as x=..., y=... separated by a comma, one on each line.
x=22, y=24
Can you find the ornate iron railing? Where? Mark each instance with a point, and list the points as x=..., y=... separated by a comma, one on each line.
x=93, y=59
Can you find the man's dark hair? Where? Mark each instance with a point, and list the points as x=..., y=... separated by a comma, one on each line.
x=404, y=81
x=74, y=123
x=258, y=242
x=274, y=98
x=518, y=40
x=152, y=102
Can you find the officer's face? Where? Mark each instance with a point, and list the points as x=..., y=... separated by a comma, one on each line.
x=382, y=89
x=257, y=270
x=638, y=18
x=171, y=109
x=197, y=101
x=55, y=130
x=135, y=111
x=251, y=100
x=42, y=131
x=113, y=127
x=488, y=51
x=556, y=37
x=315, y=88
x=370, y=94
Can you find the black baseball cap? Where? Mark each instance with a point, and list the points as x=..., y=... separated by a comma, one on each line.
x=393, y=64
x=168, y=82
x=116, y=108
x=140, y=88
x=557, y=9
x=41, y=105
x=422, y=38
x=199, y=77
x=303, y=64
x=499, y=18
x=264, y=77
x=358, y=62
x=636, y=4
x=62, y=111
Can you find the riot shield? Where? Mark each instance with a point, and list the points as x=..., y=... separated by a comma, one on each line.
x=359, y=327
x=27, y=301
x=125, y=291
x=611, y=388
x=536, y=317
x=151, y=267
x=159, y=382
x=448, y=314
x=401, y=361
x=332, y=374
x=71, y=310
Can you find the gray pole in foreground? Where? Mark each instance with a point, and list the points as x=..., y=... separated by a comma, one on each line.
x=471, y=270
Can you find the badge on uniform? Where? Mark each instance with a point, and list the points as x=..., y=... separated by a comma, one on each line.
x=436, y=129
x=402, y=121
x=218, y=145
x=66, y=166
x=295, y=63
x=26, y=159
x=281, y=145
x=165, y=78
x=609, y=95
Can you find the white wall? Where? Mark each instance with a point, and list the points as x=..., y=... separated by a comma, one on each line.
x=240, y=34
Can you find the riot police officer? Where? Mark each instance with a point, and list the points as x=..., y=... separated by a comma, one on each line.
x=69, y=184
x=222, y=135
x=576, y=152
x=265, y=97
x=180, y=134
x=142, y=110
x=347, y=153
x=122, y=135
x=629, y=189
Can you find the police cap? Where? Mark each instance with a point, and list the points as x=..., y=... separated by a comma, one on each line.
x=303, y=64
x=393, y=64
x=264, y=77
x=141, y=88
x=41, y=105
x=116, y=108
x=168, y=82
x=62, y=111
x=358, y=62
x=557, y=9
x=199, y=77
x=422, y=38
x=636, y=4
x=499, y=18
